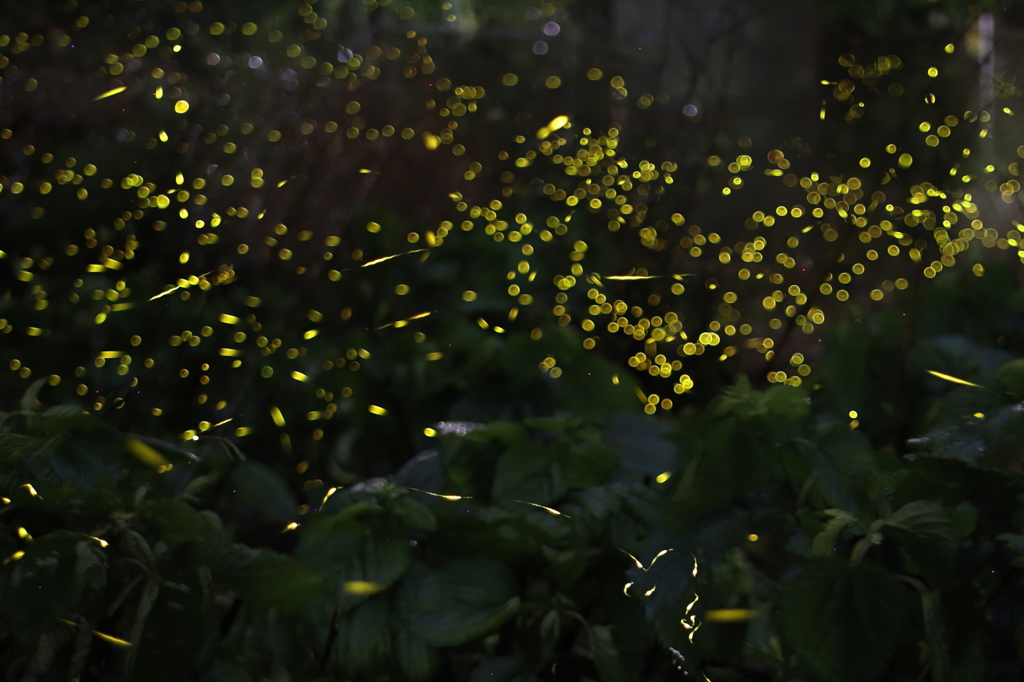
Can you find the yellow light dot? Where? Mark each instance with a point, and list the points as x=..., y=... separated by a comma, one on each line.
x=663, y=477
x=853, y=414
x=753, y=537
x=429, y=432
x=181, y=106
x=377, y=409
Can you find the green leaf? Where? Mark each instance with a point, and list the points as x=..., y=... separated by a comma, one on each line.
x=417, y=660
x=415, y=515
x=382, y=560
x=586, y=465
x=261, y=489
x=843, y=463
x=964, y=517
x=1015, y=544
x=266, y=579
x=928, y=520
x=28, y=401
x=606, y=655
x=178, y=521
x=825, y=541
x=463, y=599
x=1010, y=378
x=42, y=585
x=844, y=622
x=363, y=638
x=329, y=539
x=528, y=473
x=935, y=635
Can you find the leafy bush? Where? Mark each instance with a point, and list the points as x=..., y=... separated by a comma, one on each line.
x=776, y=543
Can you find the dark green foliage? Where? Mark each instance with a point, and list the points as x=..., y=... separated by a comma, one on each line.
x=784, y=543
x=845, y=622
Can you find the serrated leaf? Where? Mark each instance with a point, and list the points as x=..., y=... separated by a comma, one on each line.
x=842, y=463
x=463, y=599
x=825, y=541
x=843, y=621
x=925, y=518
x=527, y=473
x=585, y=465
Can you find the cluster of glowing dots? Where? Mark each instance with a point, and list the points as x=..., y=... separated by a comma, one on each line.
x=763, y=286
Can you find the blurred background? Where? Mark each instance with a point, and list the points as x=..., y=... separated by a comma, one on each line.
x=321, y=228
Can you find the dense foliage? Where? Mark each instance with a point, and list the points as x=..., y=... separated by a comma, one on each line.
x=383, y=342
x=773, y=539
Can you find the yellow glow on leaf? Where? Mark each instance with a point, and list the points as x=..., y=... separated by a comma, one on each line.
x=361, y=588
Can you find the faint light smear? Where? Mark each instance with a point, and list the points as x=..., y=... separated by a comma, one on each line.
x=952, y=379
